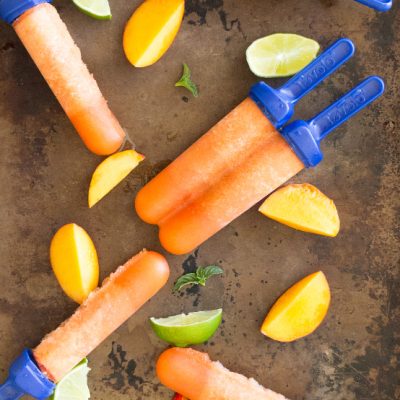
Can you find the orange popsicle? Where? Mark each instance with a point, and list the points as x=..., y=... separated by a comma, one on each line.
x=192, y=374
x=234, y=165
x=108, y=307
x=53, y=50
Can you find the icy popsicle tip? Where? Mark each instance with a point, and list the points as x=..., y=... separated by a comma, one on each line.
x=305, y=136
x=278, y=104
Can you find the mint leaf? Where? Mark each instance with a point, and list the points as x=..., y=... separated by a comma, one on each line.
x=199, y=277
x=186, y=81
x=203, y=273
x=188, y=279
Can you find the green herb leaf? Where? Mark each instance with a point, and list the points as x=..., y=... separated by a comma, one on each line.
x=188, y=279
x=203, y=273
x=187, y=82
x=197, y=278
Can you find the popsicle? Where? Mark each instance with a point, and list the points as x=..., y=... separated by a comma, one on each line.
x=108, y=307
x=45, y=36
x=237, y=163
x=192, y=374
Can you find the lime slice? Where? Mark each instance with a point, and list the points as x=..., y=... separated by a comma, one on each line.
x=186, y=329
x=74, y=385
x=98, y=9
x=281, y=54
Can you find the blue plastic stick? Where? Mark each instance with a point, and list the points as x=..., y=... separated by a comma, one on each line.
x=26, y=378
x=10, y=10
x=305, y=136
x=278, y=104
x=380, y=5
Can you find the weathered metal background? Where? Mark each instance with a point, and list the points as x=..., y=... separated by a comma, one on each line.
x=45, y=172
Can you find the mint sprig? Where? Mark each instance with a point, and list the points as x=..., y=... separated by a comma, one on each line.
x=199, y=277
x=186, y=81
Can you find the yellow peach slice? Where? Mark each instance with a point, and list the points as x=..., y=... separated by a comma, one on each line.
x=300, y=310
x=74, y=261
x=303, y=207
x=111, y=172
x=151, y=30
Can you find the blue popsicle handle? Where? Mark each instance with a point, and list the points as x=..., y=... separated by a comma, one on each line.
x=343, y=109
x=380, y=5
x=25, y=377
x=8, y=391
x=278, y=104
x=314, y=73
x=10, y=10
x=305, y=136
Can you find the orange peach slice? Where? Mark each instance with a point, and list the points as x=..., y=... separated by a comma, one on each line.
x=111, y=172
x=151, y=30
x=303, y=207
x=74, y=261
x=300, y=310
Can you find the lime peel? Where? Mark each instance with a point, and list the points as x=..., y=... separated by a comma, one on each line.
x=98, y=9
x=186, y=329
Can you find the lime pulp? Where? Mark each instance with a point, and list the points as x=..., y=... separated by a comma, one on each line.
x=280, y=54
x=74, y=385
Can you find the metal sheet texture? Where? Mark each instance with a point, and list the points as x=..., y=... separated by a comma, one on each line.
x=45, y=171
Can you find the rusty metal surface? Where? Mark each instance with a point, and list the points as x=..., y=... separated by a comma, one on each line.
x=45, y=171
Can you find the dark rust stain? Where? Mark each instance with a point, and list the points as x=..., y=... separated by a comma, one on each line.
x=123, y=370
x=355, y=352
x=201, y=8
x=7, y=47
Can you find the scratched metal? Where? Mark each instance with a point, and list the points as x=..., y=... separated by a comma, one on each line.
x=45, y=171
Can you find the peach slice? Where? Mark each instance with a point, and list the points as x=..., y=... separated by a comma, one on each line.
x=151, y=30
x=300, y=310
x=110, y=172
x=303, y=207
x=74, y=261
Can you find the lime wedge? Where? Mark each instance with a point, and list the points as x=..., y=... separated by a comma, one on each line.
x=186, y=329
x=281, y=54
x=98, y=9
x=74, y=385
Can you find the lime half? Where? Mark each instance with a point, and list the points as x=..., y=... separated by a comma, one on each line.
x=99, y=9
x=186, y=329
x=74, y=385
x=281, y=54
